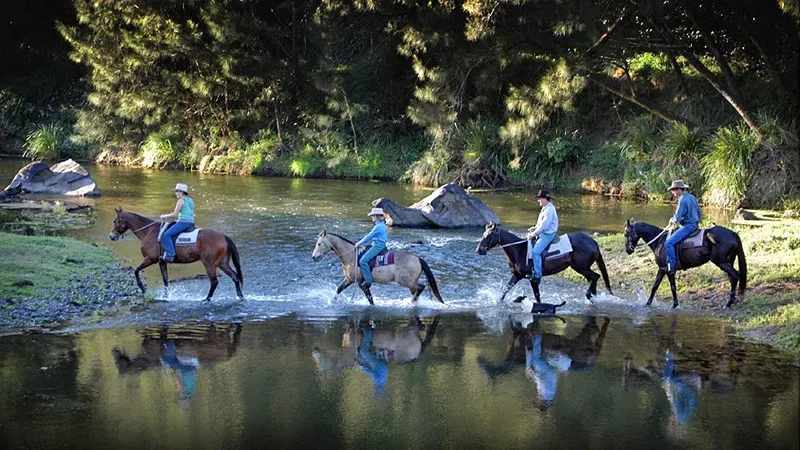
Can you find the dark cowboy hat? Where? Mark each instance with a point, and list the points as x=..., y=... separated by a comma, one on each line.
x=678, y=184
x=543, y=193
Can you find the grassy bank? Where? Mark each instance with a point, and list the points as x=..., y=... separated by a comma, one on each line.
x=49, y=279
x=770, y=311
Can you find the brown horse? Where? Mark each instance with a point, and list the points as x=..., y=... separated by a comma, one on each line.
x=405, y=271
x=213, y=248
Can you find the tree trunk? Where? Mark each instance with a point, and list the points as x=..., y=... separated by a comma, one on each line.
x=651, y=107
x=677, y=69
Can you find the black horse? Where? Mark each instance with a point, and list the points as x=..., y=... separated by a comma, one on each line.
x=720, y=246
x=585, y=252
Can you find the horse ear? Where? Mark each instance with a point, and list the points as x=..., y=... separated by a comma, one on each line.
x=628, y=222
x=118, y=209
x=324, y=233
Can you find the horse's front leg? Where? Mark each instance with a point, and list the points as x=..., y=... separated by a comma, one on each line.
x=142, y=265
x=674, y=290
x=343, y=285
x=367, y=293
x=511, y=283
x=656, y=284
x=164, y=276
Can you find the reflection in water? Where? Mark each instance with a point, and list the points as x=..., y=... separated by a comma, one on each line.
x=180, y=349
x=545, y=355
x=256, y=384
x=371, y=346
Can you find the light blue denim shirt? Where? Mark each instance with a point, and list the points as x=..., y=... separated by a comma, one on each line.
x=379, y=235
x=688, y=210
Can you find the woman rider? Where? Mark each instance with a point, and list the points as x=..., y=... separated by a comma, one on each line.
x=184, y=212
x=378, y=236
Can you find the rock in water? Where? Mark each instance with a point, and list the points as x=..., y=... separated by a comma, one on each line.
x=744, y=215
x=65, y=178
x=450, y=206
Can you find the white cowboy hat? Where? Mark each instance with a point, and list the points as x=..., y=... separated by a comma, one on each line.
x=376, y=212
x=181, y=187
x=678, y=184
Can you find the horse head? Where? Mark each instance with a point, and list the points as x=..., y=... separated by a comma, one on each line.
x=322, y=247
x=491, y=237
x=631, y=236
x=120, y=225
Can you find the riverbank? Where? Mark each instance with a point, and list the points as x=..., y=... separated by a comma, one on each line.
x=770, y=310
x=47, y=280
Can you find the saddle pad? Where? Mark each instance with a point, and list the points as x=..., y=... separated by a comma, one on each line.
x=189, y=238
x=561, y=246
x=695, y=239
x=382, y=260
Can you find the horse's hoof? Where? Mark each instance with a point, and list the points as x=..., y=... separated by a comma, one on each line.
x=207, y=299
x=675, y=306
x=519, y=299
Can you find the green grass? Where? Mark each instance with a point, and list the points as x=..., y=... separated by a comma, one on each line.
x=773, y=268
x=47, y=262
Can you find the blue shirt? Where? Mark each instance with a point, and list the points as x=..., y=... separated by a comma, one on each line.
x=688, y=210
x=379, y=235
x=548, y=221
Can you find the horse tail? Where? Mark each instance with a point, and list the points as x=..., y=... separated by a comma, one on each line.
x=602, y=265
x=233, y=253
x=431, y=279
x=742, y=265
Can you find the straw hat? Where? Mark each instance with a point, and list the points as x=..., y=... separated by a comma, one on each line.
x=181, y=187
x=376, y=212
x=678, y=184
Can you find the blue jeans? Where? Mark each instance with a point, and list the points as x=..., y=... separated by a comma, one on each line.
x=169, y=236
x=541, y=244
x=372, y=365
x=364, y=262
x=673, y=240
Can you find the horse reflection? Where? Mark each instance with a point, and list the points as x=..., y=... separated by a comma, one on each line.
x=180, y=349
x=681, y=386
x=545, y=355
x=371, y=348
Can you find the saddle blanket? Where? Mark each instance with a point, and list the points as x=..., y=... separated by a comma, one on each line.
x=560, y=247
x=386, y=259
x=187, y=238
x=695, y=239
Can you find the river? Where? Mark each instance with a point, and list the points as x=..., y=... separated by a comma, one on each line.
x=295, y=366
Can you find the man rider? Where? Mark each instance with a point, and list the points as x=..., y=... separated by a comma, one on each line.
x=544, y=232
x=687, y=215
x=378, y=236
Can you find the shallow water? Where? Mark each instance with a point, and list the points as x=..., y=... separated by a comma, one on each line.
x=399, y=381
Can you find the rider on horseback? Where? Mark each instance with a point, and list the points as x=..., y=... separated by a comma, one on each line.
x=687, y=215
x=184, y=212
x=544, y=233
x=378, y=236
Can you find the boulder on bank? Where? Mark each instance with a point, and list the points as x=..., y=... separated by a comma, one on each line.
x=450, y=206
x=743, y=214
x=65, y=178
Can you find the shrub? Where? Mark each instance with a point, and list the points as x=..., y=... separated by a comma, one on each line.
x=727, y=165
x=158, y=150
x=45, y=142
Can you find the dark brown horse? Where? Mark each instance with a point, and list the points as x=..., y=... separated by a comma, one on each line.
x=213, y=248
x=721, y=246
x=585, y=252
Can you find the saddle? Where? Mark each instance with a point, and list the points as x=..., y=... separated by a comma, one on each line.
x=384, y=258
x=694, y=240
x=188, y=237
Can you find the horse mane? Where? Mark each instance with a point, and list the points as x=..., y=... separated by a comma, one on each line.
x=504, y=231
x=146, y=219
x=645, y=225
x=343, y=238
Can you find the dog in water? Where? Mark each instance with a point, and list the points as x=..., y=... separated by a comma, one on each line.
x=541, y=308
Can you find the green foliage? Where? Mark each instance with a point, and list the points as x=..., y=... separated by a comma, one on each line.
x=45, y=142
x=158, y=150
x=727, y=165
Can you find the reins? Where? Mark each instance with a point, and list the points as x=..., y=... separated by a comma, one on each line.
x=654, y=239
x=142, y=228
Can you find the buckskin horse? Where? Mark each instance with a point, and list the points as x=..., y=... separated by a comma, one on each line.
x=585, y=252
x=405, y=271
x=213, y=248
x=719, y=245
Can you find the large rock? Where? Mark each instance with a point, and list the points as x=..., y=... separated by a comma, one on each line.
x=65, y=178
x=450, y=206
